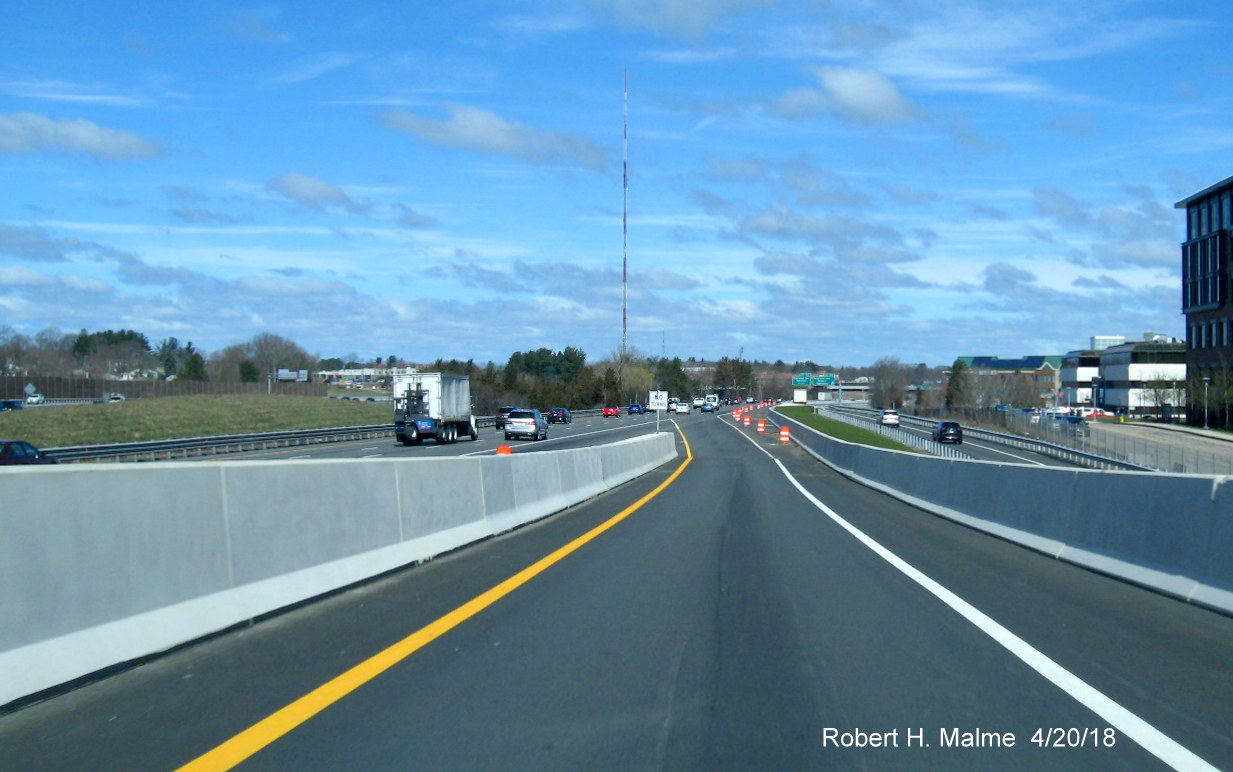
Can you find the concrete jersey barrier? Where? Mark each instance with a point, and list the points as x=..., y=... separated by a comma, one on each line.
x=100, y=565
x=1170, y=532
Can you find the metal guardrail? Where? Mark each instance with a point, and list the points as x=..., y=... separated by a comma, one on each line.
x=1110, y=442
x=156, y=450
x=208, y=446
x=898, y=435
x=1055, y=450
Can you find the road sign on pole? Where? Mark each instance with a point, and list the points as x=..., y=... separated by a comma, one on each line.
x=658, y=400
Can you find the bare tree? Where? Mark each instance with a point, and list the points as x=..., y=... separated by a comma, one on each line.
x=52, y=353
x=266, y=352
x=1160, y=390
x=1020, y=390
x=14, y=352
x=890, y=383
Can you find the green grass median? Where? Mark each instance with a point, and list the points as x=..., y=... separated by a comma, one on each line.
x=842, y=431
x=166, y=418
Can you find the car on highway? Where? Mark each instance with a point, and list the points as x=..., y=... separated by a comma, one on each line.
x=35, y=399
x=526, y=422
x=682, y=407
x=889, y=418
x=560, y=415
x=18, y=452
x=11, y=404
x=699, y=401
x=502, y=414
x=635, y=409
x=947, y=431
x=708, y=407
x=1075, y=424
x=612, y=412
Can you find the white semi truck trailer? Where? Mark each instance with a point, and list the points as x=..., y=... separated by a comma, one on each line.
x=433, y=405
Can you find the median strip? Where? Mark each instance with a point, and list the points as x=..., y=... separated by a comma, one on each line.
x=248, y=742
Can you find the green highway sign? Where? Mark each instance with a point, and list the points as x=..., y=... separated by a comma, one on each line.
x=801, y=380
x=826, y=379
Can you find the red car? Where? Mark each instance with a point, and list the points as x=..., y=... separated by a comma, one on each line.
x=615, y=412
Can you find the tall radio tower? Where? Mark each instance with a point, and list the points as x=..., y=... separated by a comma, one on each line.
x=624, y=228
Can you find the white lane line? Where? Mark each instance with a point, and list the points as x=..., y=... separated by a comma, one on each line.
x=1024, y=459
x=1149, y=737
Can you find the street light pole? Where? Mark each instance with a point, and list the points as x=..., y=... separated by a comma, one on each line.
x=1207, y=379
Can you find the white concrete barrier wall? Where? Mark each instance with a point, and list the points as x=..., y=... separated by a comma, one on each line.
x=1172, y=532
x=101, y=564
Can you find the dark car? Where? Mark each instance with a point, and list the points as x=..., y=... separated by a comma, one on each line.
x=11, y=404
x=560, y=415
x=502, y=414
x=14, y=452
x=1076, y=424
x=948, y=431
x=526, y=422
x=707, y=407
x=636, y=408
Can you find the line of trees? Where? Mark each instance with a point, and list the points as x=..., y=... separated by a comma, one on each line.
x=540, y=377
x=129, y=354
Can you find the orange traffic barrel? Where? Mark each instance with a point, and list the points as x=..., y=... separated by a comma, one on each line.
x=761, y=426
x=504, y=450
x=784, y=434
x=745, y=420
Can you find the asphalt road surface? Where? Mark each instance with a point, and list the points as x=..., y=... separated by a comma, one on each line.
x=743, y=609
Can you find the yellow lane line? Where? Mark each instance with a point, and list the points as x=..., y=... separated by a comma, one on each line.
x=276, y=725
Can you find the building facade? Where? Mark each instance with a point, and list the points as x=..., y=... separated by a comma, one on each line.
x=1079, y=370
x=1015, y=381
x=1141, y=378
x=1207, y=293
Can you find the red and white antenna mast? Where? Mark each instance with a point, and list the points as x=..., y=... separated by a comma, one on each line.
x=625, y=221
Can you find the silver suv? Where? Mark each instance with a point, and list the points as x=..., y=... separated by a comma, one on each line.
x=526, y=422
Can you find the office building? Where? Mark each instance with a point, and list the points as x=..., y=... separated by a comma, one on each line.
x=1207, y=296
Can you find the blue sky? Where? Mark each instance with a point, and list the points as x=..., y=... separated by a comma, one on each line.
x=835, y=181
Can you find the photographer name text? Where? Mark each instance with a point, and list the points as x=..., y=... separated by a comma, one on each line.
x=954, y=737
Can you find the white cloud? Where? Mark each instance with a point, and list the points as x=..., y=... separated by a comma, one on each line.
x=864, y=95
x=314, y=67
x=410, y=218
x=312, y=193
x=35, y=245
x=689, y=18
x=30, y=133
x=801, y=103
x=60, y=91
x=474, y=128
x=13, y=276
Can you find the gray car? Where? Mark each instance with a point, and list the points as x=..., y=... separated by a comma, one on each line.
x=526, y=422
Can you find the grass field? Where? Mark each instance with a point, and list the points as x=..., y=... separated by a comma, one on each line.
x=174, y=417
x=842, y=431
